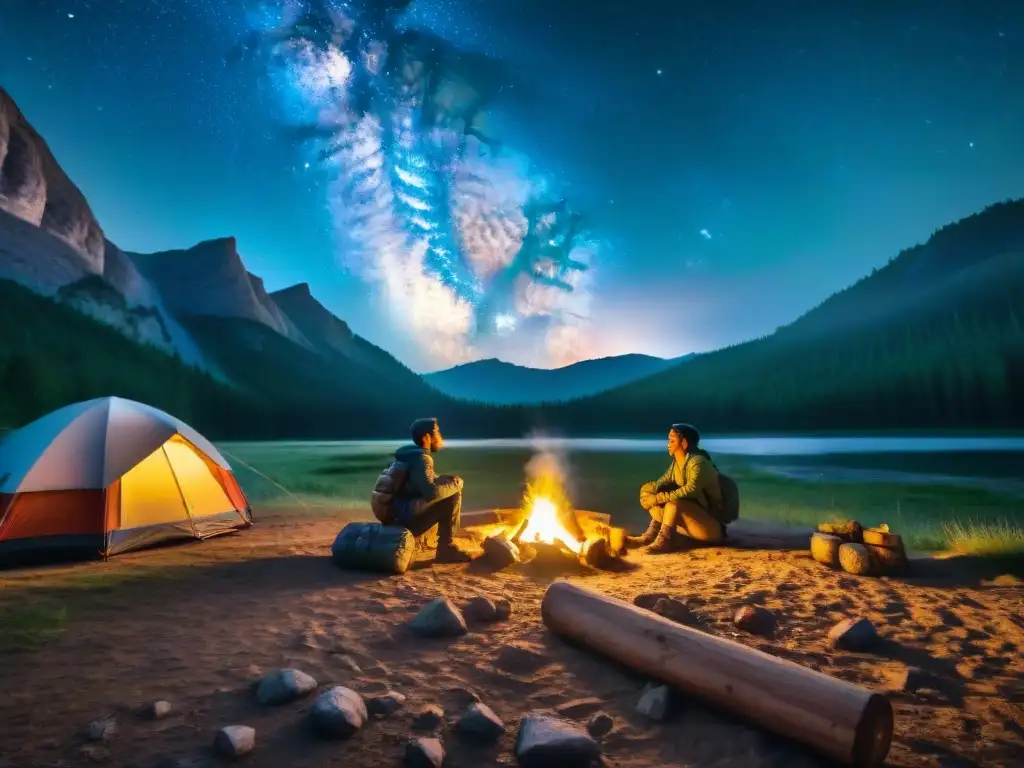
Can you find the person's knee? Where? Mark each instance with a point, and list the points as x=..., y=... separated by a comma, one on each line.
x=657, y=512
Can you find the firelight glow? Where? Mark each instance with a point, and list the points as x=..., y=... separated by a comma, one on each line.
x=544, y=526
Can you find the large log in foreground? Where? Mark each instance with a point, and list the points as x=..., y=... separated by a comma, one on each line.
x=838, y=719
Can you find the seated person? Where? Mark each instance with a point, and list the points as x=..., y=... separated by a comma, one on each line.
x=687, y=496
x=427, y=499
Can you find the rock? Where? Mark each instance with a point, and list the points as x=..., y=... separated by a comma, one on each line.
x=479, y=722
x=674, y=610
x=549, y=742
x=913, y=679
x=102, y=729
x=480, y=609
x=385, y=703
x=579, y=708
x=428, y=719
x=857, y=634
x=654, y=701
x=500, y=552
x=439, y=618
x=284, y=685
x=234, y=741
x=337, y=713
x=158, y=710
x=503, y=608
x=600, y=725
x=755, y=619
x=855, y=559
x=95, y=752
x=424, y=753
x=648, y=600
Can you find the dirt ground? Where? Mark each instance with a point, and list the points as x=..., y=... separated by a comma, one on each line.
x=220, y=612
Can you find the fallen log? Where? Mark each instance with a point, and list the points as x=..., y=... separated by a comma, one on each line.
x=838, y=719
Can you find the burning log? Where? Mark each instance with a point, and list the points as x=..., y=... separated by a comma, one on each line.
x=842, y=721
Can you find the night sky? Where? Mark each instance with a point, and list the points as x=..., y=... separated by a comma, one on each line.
x=737, y=161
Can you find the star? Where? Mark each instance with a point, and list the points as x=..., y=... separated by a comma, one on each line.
x=659, y=72
x=705, y=234
x=71, y=15
x=306, y=165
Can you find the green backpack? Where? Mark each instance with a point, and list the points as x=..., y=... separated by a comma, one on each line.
x=730, y=510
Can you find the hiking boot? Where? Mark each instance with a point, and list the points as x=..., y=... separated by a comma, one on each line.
x=451, y=553
x=663, y=541
x=647, y=537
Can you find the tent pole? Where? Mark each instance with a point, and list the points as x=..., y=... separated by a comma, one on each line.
x=181, y=492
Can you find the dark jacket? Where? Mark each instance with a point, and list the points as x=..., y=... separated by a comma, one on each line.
x=421, y=483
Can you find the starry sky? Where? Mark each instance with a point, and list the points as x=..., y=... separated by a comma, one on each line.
x=741, y=160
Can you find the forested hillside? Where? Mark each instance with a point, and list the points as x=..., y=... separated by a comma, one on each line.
x=52, y=355
x=933, y=340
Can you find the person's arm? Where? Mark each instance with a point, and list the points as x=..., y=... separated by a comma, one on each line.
x=424, y=481
x=693, y=483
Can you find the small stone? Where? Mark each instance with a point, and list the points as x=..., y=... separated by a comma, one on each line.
x=480, y=609
x=648, y=600
x=674, y=610
x=503, y=608
x=234, y=741
x=500, y=552
x=158, y=710
x=439, y=618
x=600, y=725
x=914, y=679
x=95, y=752
x=755, y=619
x=549, y=742
x=654, y=701
x=385, y=703
x=338, y=713
x=480, y=722
x=101, y=730
x=429, y=718
x=284, y=685
x=857, y=634
x=424, y=753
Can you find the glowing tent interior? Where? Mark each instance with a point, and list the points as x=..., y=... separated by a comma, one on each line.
x=111, y=475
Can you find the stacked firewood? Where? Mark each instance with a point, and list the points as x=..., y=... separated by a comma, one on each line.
x=863, y=551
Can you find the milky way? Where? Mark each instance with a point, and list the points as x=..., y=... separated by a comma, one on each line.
x=465, y=239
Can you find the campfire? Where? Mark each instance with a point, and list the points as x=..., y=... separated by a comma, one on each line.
x=547, y=526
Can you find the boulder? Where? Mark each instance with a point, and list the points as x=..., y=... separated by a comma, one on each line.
x=284, y=685
x=385, y=703
x=439, y=618
x=424, y=753
x=549, y=742
x=857, y=634
x=234, y=741
x=338, y=713
x=479, y=722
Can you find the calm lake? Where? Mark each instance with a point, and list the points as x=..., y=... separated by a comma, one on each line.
x=992, y=463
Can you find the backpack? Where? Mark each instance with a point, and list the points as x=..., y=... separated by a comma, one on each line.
x=730, y=510
x=390, y=484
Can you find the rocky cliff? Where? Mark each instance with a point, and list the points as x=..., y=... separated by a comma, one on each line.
x=34, y=188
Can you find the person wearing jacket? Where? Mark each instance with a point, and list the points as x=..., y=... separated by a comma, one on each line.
x=428, y=499
x=687, y=496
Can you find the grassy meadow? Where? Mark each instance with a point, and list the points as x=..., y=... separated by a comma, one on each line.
x=328, y=478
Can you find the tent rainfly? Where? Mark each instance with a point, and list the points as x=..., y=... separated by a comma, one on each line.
x=111, y=475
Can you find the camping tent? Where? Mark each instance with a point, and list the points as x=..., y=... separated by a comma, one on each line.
x=112, y=475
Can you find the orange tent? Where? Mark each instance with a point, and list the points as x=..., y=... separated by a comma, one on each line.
x=111, y=475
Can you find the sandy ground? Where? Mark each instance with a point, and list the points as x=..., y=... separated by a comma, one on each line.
x=225, y=610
